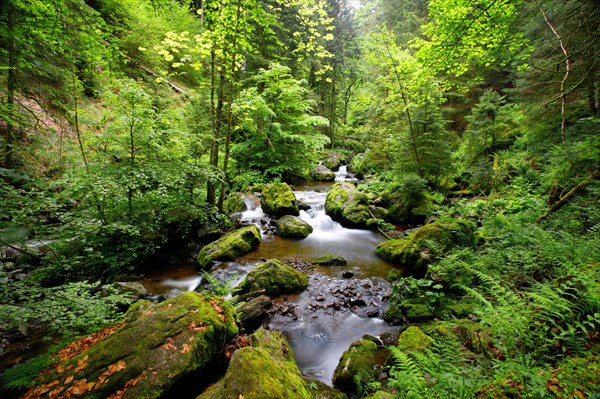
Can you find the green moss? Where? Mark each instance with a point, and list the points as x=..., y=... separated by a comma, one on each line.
x=294, y=227
x=265, y=370
x=278, y=199
x=276, y=278
x=322, y=173
x=380, y=395
x=471, y=334
x=427, y=243
x=413, y=339
x=394, y=275
x=360, y=358
x=393, y=315
x=229, y=246
x=234, y=203
x=330, y=260
x=320, y=390
x=178, y=337
x=347, y=205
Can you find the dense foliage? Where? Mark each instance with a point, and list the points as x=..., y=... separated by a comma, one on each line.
x=125, y=125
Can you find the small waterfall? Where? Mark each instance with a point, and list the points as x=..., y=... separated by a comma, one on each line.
x=343, y=175
x=185, y=284
x=253, y=209
x=316, y=216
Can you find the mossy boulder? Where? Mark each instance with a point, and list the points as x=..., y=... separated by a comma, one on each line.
x=427, y=244
x=414, y=339
x=234, y=203
x=322, y=173
x=293, y=227
x=347, y=205
x=229, y=246
x=472, y=335
x=276, y=278
x=330, y=260
x=320, y=390
x=332, y=160
x=264, y=370
x=359, y=359
x=144, y=356
x=380, y=395
x=278, y=199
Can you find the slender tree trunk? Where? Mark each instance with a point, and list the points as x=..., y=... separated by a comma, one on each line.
x=11, y=86
x=99, y=208
x=230, y=107
x=563, y=126
x=214, y=148
x=132, y=159
x=332, y=109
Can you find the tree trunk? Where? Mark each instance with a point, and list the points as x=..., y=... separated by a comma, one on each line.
x=11, y=85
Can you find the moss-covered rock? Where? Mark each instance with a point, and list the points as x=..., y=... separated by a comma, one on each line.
x=413, y=339
x=229, y=246
x=393, y=315
x=472, y=335
x=276, y=278
x=380, y=395
x=359, y=359
x=144, y=356
x=265, y=370
x=293, y=227
x=330, y=260
x=347, y=205
x=234, y=203
x=251, y=314
x=332, y=160
x=322, y=173
x=427, y=243
x=320, y=390
x=278, y=199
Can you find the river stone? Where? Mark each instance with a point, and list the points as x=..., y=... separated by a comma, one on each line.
x=322, y=173
x=332, y=160
x=229, y=246
x=252, y=313
x=132, y=287
x=293, y=227
x=415, y=251
x=347, y=205
x=278, y=199
x=330, y=260
x=380, y=395
x=143, y=356
x=264, y=370
x=276, y=278
x=360, y=358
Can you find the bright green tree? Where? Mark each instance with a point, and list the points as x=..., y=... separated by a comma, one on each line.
x=277, y=130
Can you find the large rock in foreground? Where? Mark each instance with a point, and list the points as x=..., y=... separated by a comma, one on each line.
x=229, y=246
x=144, y=356
x=265, y=370
x=347, y=205
x=293, y=227
x=278, y=200
x=276, y=278
x=416, y=251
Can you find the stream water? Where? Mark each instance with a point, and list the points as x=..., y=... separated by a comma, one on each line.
x=335, y=310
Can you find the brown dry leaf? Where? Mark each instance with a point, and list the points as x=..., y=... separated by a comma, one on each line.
x=241, y=396
x=186, y=348
x=194, y=327
x=60, y=369
x=169, y=344
x=81, y=345
x=69, y=379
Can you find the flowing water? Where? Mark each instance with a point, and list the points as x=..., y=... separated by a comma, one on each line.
x=335, y=310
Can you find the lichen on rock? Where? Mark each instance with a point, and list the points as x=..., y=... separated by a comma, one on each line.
x=144, y=356
x=293, y=227
x=264, y=370
x=276, y=278
x=229, y=246
x=278, y=200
